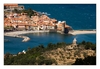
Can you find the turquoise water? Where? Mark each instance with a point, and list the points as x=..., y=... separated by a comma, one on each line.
x=79, y=16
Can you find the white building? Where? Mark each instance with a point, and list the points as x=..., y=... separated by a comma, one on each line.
x=74, y=41
x=24, y=51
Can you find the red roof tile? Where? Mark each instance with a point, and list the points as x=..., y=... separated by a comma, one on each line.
x=10, y=4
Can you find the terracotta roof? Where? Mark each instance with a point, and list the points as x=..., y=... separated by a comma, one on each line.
x=67, y=26
x=60, y=25
x=50, y=24
x=6, y=18
x=10, y=4
x=21, y=24
x=59, y=29
x=53, y=20
x=14, y=24
x=33, y=25
x=7, y=24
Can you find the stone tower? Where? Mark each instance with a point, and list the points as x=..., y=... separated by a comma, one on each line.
x=74, y=42
x=63, y=26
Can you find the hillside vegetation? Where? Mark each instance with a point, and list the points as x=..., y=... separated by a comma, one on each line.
x=54, y=54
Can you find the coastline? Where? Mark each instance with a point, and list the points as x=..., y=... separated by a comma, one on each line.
x=21, y=32
x=18, y=34
x=76, y=32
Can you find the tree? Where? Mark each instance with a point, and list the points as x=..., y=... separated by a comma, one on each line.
x=90, y=60
x=7, y=55
x=83, y=42
x=29, y=12
x=15, y=10
x=8, y=28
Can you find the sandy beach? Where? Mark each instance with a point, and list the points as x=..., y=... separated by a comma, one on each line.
x=18, y=34
x=76, y=32
x=25, y=38
x=21, y=32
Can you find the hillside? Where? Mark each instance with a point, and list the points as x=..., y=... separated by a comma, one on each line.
x=53, y=54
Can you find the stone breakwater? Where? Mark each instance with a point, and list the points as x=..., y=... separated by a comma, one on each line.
x=25, y=38
x=18, y=34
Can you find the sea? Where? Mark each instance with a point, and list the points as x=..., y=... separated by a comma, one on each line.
x=78, y=16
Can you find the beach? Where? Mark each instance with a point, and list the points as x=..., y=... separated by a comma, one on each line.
x=18, y=34
x=76, y=32
x=15, y=33
x=25, y=38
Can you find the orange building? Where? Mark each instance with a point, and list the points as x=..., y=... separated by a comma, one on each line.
x=9, y=7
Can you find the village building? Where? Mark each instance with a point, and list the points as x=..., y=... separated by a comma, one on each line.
x=23, y=52
x=20, y=21
x=10, y=7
